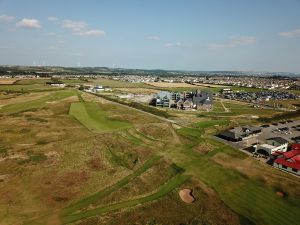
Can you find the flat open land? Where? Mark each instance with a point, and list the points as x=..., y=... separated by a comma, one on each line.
x=68, y=157
x=169, y=85
x=7, y=81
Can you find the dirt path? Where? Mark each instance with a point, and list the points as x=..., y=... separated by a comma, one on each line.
x=174, y=134
x=225, y=109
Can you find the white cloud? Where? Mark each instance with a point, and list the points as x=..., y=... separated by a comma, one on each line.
x=74, y=25
x=6, y=18
x=154, y=38
x=29, y=24
x=234, y=42
x=290, y=34
x=52, y=18
x=80, y=28
x=169, y=44
x=91, y=33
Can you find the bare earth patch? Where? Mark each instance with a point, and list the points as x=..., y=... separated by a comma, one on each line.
x=204, y=148
x=7, y=81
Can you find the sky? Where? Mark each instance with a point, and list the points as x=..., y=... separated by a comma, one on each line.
x=245, y=35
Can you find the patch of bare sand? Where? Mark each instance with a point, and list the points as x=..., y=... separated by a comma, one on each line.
x=186, y=195
x=7, y=81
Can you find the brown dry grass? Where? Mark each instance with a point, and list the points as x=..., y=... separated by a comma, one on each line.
x=169, y=85
x=144, y=91
x=209, y=85
x=171, y=210
x=204, y=148
x=7, y=81
x=22, y=98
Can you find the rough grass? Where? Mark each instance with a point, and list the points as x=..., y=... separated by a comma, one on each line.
x=103, y=193
x=117, y=83
x=34, y=104
x=162, y=191
x=94, y=118
x=210, y=123
x=26, y=88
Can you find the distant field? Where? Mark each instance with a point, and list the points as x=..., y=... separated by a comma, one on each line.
x=211, y=85
x=28, y=87
x=144, y=91
x=118, y=84
x=169, y=85
x=44, y=80
x=91, y=116
x=32, y=81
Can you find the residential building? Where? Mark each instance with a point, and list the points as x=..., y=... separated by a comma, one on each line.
x=197, y=100
x=289, y=161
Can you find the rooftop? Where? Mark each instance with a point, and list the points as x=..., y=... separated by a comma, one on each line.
x=294, y=165
x=280, y=140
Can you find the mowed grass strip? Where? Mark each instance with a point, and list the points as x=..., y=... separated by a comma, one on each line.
x=105, y=192
x=38, y=103
x=211, y=123
x=94, y=118
x=262, y=205
x=162, y=191
x=243, y=194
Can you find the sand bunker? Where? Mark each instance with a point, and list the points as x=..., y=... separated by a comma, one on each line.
x=186, y=195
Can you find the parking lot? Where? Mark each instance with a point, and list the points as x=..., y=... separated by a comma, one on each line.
x=269, y=131
x=274, y=131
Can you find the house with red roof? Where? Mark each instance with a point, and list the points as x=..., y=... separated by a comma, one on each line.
x=290, y=161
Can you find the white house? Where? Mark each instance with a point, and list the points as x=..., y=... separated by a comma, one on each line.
x=273, y=144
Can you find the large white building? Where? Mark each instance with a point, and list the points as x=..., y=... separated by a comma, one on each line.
x=272, y=145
